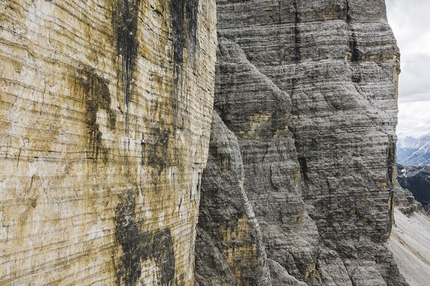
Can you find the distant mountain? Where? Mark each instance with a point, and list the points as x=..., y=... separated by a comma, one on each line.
x=412, y=151
x=417, y=180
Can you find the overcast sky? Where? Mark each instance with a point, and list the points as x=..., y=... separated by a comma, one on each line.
x=410, y=22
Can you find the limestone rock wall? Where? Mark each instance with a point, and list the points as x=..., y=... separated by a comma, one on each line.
x=227, y=227
x=105, y=112
x=309, y=88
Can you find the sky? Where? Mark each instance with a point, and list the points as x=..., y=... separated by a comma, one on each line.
x=410, y=22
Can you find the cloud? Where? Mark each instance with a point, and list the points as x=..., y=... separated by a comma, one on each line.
x=414, y=118
x=414, y=83
x=410, y=23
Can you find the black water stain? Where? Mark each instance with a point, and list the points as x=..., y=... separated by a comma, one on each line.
x=158, y=152
x=191, y=10
x=177, y=9
x=128, y=235
x=348, y=12
x=96, y=96
x=356, y=54
x=164, y=254
x=125, y=16
x=139, y=245
x=183, y=17
x=297, y=36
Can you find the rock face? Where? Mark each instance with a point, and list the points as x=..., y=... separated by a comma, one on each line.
x=227, y=227
x=104, y=121
x=105, y=118
x=309, y=89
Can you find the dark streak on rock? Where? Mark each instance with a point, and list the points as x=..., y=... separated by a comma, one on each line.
x=158, y=152
x=138, y=245
x=178, y=25
x=124, y=22
x=184, y=19
x=356, y=54
x=303, y=167
x=297, y=37
x=164, y=254
x=348, y=12
x=96, y=95
x=191, y=10
x=127, y=233
x=183, y=15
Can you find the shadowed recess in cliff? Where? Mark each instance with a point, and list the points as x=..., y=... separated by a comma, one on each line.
x=125, y=15
x=391, y=160
x=95, y=94
x=138, y=246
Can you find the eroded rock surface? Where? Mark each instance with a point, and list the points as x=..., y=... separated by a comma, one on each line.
x=309, y=89
x=229, y=241
x=105, y=112
x=105, y=118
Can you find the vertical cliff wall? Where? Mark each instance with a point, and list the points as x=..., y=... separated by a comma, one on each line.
x=309, y=89
x=105, y=112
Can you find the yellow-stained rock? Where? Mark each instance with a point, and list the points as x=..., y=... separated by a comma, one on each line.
x=105, y=112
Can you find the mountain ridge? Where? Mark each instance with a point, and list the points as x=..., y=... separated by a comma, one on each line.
x=413, y=151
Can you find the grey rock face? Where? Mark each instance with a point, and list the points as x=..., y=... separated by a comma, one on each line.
x=309, y=90
x=272, y=173
x=229, y=241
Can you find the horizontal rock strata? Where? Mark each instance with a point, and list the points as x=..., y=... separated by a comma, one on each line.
x=105, y=112
x=309, y=88
x=227, y=228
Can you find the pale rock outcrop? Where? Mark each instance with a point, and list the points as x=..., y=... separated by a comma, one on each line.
x=105, y=112
x=309, y=88
x=410, y=238
x=410, y=244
